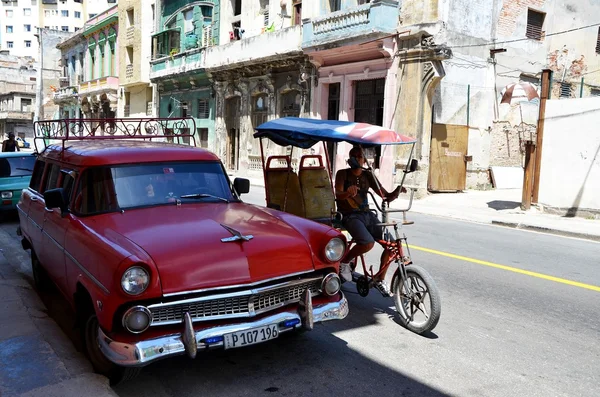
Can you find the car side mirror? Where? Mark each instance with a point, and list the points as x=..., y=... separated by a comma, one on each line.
x=56, y=198
x=414, y=164
x=241, y=185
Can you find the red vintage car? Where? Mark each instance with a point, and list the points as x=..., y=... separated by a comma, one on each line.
x=158, y=255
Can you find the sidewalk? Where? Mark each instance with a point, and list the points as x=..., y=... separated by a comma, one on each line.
x=37, y=359
x=499, y=207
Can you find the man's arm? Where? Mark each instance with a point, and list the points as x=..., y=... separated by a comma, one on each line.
x=384, y=194
x=340, y=194
x=4, y=146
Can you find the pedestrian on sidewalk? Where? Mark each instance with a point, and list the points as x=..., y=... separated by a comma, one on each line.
x=10, y=144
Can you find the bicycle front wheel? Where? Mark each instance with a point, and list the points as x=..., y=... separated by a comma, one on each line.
x=417, y=299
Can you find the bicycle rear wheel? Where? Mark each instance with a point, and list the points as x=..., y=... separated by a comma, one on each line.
x=417, y=299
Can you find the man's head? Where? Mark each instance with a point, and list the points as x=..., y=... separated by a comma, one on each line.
x=11, y=136
x=357, y=157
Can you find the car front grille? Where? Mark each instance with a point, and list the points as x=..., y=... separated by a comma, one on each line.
x=235, y=305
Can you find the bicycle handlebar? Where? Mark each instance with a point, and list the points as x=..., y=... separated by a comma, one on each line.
x=388, y=210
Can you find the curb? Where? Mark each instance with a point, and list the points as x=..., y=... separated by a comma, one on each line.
x=547, y=230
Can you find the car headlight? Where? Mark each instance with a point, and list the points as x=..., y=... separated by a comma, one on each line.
x=137, y=319
x=334, y=250
x=135, y=280
x=331, y=284
x=6, y=195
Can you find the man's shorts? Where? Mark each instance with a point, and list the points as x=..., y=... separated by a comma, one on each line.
x=363, y=227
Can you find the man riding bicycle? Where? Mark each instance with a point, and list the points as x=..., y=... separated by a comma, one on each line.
x=351, y=193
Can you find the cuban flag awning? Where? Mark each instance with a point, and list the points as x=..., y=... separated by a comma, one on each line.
x=305, y=133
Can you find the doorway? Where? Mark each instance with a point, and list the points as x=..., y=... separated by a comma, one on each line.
x=369, y=97
x=333, y=113
x=232, y=124
x=447, y=164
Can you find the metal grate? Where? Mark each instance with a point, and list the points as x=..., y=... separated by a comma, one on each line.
x=565, y=90
x=241, y=305
x=201, y=310
x=203, y=109
x=535, y=23
x=276, y=298
x=598, y=42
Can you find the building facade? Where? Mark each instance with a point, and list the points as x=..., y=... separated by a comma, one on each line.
x=17, y=96
x=99, y=91
x=530, y=35
x=74, y=54
x=136, y=22
x=20, y=19
x=185, y=30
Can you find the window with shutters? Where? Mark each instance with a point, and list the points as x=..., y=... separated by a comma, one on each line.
x=203, y=109
x=598, y=42
x=565, y=90
x=535, y=23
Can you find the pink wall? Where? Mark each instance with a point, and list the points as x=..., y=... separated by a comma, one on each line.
x=346, y=74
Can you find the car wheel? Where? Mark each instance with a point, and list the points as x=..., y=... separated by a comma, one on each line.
x=116, y=374
x=41, y=280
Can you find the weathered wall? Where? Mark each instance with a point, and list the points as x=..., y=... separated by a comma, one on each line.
x=570, y=170
x=471, y=25
x=52, y=71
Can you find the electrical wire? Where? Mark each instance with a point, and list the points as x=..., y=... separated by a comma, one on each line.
x=524, y=39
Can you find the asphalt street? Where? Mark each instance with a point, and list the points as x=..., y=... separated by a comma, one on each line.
x=520, y=317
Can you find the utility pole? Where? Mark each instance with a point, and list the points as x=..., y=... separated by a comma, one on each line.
x=546, y=75
x=39, y=106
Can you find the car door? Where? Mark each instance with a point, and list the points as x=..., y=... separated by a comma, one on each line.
x=26, y=198
x=38, y=212
x=54, y=230
x=35, y=215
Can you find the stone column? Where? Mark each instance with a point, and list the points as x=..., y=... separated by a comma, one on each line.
x=220, y=140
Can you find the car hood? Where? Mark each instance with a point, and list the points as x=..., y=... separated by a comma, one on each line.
x=185, y=244
x=14, y=183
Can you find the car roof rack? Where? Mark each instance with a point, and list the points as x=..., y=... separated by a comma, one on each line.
x=172, y=129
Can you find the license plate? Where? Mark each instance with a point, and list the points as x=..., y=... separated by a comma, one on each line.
x=251, y=336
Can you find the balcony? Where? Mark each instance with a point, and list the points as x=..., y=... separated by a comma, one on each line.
x=263, y=47
x=16, y=115
x=68, y=93
x=176, y=64
x=376, y=19
x=98, y=86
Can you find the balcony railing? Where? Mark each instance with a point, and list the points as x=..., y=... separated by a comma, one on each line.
x=64, y=93
x=378, y=18
x=263, y=46
x=107, y=83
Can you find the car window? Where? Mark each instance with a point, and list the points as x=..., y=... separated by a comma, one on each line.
x=16, y=166
x=95, y=192
x=52, y=173
x=36, y=177
x=160, y=183
x=68, y=182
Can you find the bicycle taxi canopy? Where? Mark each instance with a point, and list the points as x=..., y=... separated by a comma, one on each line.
x=310, y=192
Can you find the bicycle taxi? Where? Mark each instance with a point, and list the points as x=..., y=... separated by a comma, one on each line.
x=308, y=191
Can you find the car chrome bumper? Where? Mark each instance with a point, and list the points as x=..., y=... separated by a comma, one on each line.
x=145, y=352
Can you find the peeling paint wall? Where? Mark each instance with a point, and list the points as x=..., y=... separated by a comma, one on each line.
x=471, y=26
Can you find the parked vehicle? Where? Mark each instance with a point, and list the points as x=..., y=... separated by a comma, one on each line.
x=413, y=290
x=157, y=254
x=23, y=143
x=15, y=174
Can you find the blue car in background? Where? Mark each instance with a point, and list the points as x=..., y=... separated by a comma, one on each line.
x=15, y=174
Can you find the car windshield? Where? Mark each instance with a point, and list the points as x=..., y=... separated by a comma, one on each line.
x=16, y=166
x=159, y=183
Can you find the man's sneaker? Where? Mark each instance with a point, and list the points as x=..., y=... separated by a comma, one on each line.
x=346, y=271
x=383, y=288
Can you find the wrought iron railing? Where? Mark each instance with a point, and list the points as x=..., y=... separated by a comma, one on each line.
x=174, y=130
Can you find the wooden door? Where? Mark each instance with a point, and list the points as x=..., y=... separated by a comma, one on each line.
x=447, y=164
